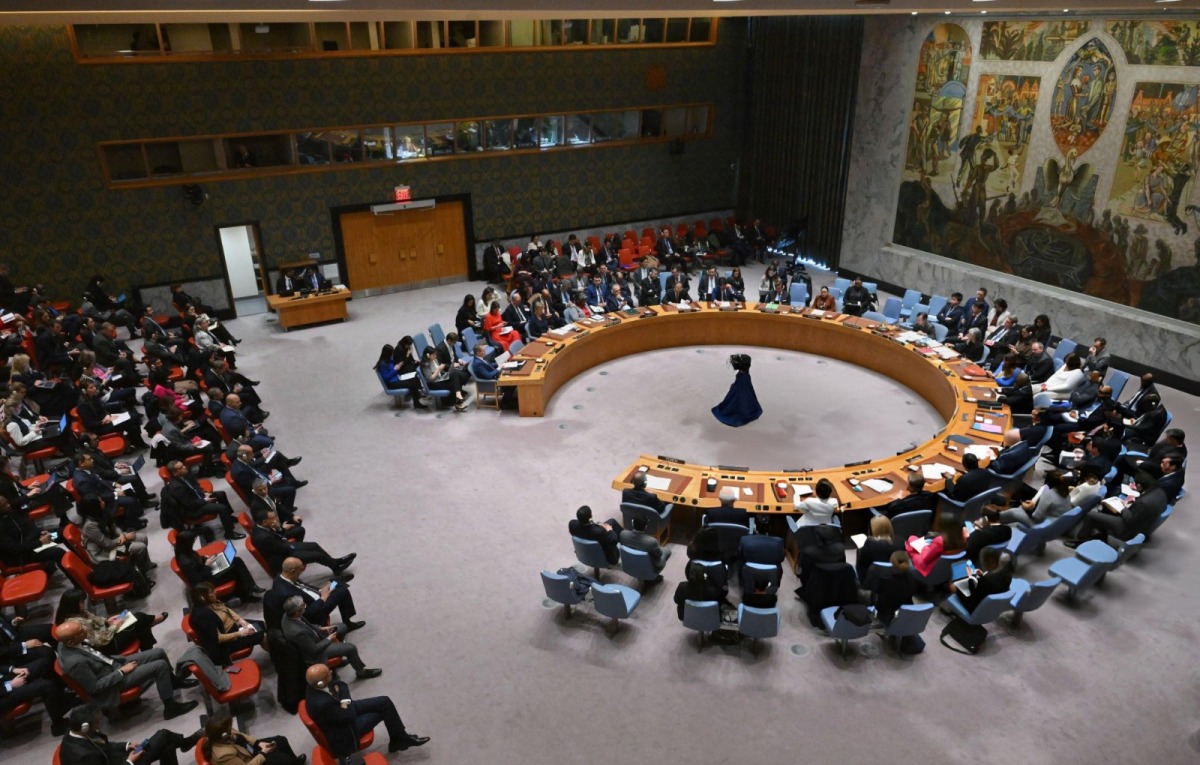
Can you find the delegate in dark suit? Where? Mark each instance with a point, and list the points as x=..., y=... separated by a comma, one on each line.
x=185, y=498
x=640, y=540
x=343, y=720
x=1136, y=518
x=607, y=537
x=276, y=548
x=319, y=604
x=96, y=749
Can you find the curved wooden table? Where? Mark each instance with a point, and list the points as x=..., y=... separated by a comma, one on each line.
x=961, y=398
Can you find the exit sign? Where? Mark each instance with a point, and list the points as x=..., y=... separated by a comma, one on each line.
x=403, y=194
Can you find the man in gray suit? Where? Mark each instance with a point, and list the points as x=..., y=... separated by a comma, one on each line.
x=316, y=644
x=104, y=678
x=637, y=538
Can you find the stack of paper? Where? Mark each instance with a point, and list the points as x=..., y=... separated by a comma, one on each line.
x=658, y=482
x=936, y=471
x=878, y=484
x=980, y=452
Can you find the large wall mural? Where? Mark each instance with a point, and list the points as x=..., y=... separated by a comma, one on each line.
x=1029, y=40
x=1075, y=163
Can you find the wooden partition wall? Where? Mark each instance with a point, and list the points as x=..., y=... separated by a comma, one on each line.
x=406, y=247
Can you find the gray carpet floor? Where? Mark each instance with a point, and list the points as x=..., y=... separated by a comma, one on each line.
x=453, y=515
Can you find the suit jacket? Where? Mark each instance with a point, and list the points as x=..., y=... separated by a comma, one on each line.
x=484, y=369
x=94, y=750
x=87, y=482
x=306, y=637
x=1011, y=458
x=245, y=475
x=1039, y=368
x=665, y=247
x=107, y=348
x=1171, y=485
x=336, y=722
x=275, y=547
x=990, y=583
x=974, y=482
x=516, y=317
x=235, y=752
x=99, y=676
x=761, y=548
x=640, y=540
x=922, y=500
x=724, y=514
x=1098, y=362
x=651, y=291
x=594, y=531
x=186, y=496
x=281, y=590
x=260, y=505
x=639, y=497
x=950, y=316
x=235, y=423
x=971, y=321
x=1144, y=511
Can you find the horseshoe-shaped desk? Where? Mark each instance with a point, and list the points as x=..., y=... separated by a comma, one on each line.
x=967, y=401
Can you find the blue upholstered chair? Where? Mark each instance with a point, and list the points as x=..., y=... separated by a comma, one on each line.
x=841, y=284
x=637, y=563
x=875, y=316
x=842, y=630
x=559, y=589
x=615, y=601
x=657, y=523
x=590, y=553
x=940, y=573
x=908, y=621
x=939, y=331
x=972, y=508
x=420, y=343
x=396, y=394
x=936, y=304
x=758, y=623
x=988, y=610
x=908, y=305
x=430, y=392
x=1033, y=539
x=1116, y=380
x=891, y=310
x=703, y=616
x=1030, y=597
x=1161, y=520
x=1078, y=574
x=435, y=332
x=913, y=523
x=799, y=293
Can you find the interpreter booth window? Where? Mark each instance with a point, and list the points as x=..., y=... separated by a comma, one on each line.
x=701, y=30
x=499, y=135
x=430, y=35
x=614, y=126
x=332, y=36
x=467, y=138
x=164, y=159
x=652, y=123
x=361, y=33
x=398, y=35
x=246, y=152
x=629, y=30
x=275, y=38
x=462, y=34
x=377, y=144
x=98, y=40
x=410, y=141
x=312, y=149
x=525, y=134
x=674, y=121
x=196, y=39
x=575, y=31
x=522, y=33
x=603, y=32
x=579, y=129
x=551, y=32
x=439, y=139
x=200, y=156
x=677, y=30
x=653, y=30
x=697, y=123
x=491, y=34
x=552, y=132
x=346, y=145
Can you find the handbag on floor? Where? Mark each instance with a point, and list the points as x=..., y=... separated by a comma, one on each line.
x=970, y=637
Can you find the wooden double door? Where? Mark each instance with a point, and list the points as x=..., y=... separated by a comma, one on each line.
x=422, y=246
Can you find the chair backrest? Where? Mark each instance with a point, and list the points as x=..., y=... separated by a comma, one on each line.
x=515, y=347
x=701, y=615
x=420, y=343
x=729, y=535
x=844, y=629
x=919, y=308
x=871, y=287
x=662, y=279
x=631, y=510
x=841, y=283
x=637, y=564
x=559, y=589
x=799, y=293
x=1056, y=527
x=1064, y=348
x=610, y=601
x=942, y=568
x=911, y=298
x=759, y=622
x=590, y=553
x=939, y=330
x=973, y=507
x=470, y=339
x=1129, y=549
x=984, y=357
x=891, y=309
x=992, y=607
x=836, y=292
x=875, y=316
x=1162, y=518
x=1116, y=381
x=1035, y=595
x=910, y=620
x=313, y=728
x=913, y=523
x=74, y=540
x=435, y=331
x=936, y=304
x=74, y=567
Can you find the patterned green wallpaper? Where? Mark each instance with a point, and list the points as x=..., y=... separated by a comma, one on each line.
x=61, y=223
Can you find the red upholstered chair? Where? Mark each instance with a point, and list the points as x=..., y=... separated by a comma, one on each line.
x=22, y=589
x=625, y=258
x=649, y=232
x=57, y=757
x=681, y=230
x=364, y=741
x=74, y=539
x=223, y=590
x=9, y=720
x=200, y=758
x=225, y=439
x=258, y=556
x=186, y=626
x=43, y=511
x=78, y=571
x=237, y=487
x=244, y=683
x=321, y=756
x=7, y=570
x=594, y=241
x=128, y=696
x=648, y=241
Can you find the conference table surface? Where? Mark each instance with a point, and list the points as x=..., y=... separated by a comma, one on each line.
x=962, y=393
x=301, y=310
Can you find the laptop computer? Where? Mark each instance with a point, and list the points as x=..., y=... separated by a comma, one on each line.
x=224, y=560
x=54, y=429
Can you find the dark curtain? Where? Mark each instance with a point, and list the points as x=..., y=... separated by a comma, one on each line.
x=802, y=83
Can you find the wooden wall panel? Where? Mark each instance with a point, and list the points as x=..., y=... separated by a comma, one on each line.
x=404, y=247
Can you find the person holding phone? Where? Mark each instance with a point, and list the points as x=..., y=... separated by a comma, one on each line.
x=84, y=744
x=223, y=745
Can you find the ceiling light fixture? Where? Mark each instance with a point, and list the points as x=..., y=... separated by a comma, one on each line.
x=946, y=12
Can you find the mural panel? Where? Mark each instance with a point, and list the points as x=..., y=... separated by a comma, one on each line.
x=1154, y=177
x=1029, y=40
x=1004, y=111
x=1162, y=43
x=1083, y=98
x=943, y=66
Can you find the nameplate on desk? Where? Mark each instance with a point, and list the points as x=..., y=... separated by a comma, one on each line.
x=856, y=464
x=733, y=468
x=670, y=459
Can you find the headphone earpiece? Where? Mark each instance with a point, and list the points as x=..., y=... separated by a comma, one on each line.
x=321, y=684
x=85, y=728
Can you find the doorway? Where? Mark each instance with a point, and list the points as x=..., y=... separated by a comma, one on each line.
x=244, y=271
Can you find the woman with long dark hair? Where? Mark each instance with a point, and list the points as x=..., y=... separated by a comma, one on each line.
x=467, y=316
x=106, y=634
x=104, y=541
x=219, y=629
x=222, y=745
x=197, y=570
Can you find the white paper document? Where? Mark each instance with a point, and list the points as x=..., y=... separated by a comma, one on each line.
x=658, y=482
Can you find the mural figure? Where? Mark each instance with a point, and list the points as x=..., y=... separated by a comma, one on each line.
x=1160, y=153
x=1029, y=40
x=1004, y=109
x=943, y=66
x=1169, y=43
x=1079, y=115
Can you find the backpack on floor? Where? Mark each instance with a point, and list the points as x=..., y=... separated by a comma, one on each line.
x=970, y=637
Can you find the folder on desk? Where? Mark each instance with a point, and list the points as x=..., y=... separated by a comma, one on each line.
x=658, y=482
x=987, y=427
x=878, y=484
x=935, y=471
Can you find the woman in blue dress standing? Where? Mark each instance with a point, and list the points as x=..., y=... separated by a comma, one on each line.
x=741, y=404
